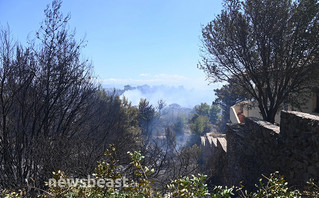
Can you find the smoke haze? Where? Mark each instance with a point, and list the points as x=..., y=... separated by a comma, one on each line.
x=170, y=94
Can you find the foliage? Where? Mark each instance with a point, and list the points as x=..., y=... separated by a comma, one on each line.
x=203, y=118
x=170, y=163
x=52, y=116
x=178, y=126
x=160, y=105
x=189, y=187
x=45, y=93
x=174, y=117
x=200, y=125
x=312, y=189
x=271, y=48
x=227, y=96
x=276, y=186
x=214, y=113
x=140, y=184
x=202, y=121
x=113, y=118
x=146, y=114
x=220, y=191
x=170, y=138
x=203, y=109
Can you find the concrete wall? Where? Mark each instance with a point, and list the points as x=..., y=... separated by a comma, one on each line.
x=252, y=110
x=310, y=104
x=233, y=115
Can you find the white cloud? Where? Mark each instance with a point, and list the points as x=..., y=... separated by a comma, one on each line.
x=145, y=75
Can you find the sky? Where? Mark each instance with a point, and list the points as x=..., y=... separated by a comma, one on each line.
x=132, y=42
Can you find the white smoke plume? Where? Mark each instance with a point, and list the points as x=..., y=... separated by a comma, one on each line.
x=170, y=94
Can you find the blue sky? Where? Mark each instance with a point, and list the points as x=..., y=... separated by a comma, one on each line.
x=129, y=41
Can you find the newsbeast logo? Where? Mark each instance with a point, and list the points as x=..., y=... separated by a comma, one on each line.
x=89, y=182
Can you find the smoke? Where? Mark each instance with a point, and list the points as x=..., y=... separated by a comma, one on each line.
x=170, y=94
x=186, y=98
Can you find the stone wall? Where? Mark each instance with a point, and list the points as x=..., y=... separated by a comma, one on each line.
x=262, y=148
x=299, y=145
x=258, y=147
x=214, y=149
x=252, y=150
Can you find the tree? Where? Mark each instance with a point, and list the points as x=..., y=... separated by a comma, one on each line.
x=214, y=113
x=111, y=118
x=17, y=67
x=44, y=101
x=271, y=48
x=227, y=96
x=160, y=105
x=64, y=79
x=208, y=111
x=202, y=109
x=199, y=123
x=146, y=114
x=179, y=125
x=170, y=139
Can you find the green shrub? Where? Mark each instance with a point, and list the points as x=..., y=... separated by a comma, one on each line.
x=189, y=187
x=275, y=186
